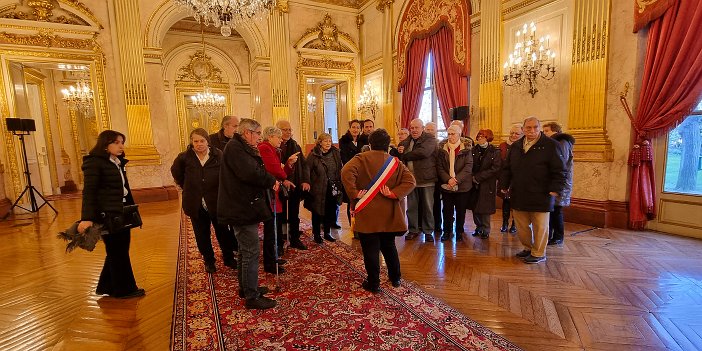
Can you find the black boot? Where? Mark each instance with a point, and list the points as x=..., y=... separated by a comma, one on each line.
x=318, y=238
x=505, y=225
x=328, y=237
x=513, y=229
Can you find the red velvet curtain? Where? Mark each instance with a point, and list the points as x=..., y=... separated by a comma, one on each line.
x=414, y=85
x=451, y=86
x=671, y=87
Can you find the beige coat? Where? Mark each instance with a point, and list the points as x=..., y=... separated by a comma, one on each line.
x=382, y=214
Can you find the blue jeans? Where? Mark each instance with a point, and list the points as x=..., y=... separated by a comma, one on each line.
x=249, y=251
x=426, y=196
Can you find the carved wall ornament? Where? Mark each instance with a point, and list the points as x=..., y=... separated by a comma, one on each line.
x=424, y=17
x=382, y=4
x=642, y=4
x=325, y=62
x=42, y=11
x=200, y=68
x=47, y=38
x=327, y=36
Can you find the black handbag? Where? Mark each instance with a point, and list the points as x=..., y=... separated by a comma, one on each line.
x=130, y=218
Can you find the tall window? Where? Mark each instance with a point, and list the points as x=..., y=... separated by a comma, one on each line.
x=430, y=112
x=683, y=167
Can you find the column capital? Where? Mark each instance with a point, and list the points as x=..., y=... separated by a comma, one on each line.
x=360, y=20
x=382, y=4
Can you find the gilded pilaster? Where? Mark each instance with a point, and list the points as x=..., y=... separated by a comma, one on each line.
x=141, y=147
x=490, y=91
x=588, y=82
x=389, y=120
x=280, y=40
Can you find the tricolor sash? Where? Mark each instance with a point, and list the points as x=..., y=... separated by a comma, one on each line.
x=378, y=182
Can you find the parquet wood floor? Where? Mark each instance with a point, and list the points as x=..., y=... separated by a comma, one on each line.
x=602, y=290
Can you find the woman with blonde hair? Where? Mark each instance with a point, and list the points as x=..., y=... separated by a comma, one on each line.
x=324, y=165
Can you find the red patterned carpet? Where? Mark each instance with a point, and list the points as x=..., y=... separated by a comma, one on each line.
x=321, y=306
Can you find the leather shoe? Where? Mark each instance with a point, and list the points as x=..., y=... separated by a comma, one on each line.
x=476, y=233
x=366, y=286
x=446, y=236
x=484, y=235
x=318, y=239
x=262, y=290
x=231, y=263
x=503, y=229
x=328, y=237
x=260, y=303
x=555, y=242
x=210, y=267
x=136, y=293
x=271, y=270
x=336, y=226
x=395, y=283
x=411, y=236
x=512, y=229
x=298, y=245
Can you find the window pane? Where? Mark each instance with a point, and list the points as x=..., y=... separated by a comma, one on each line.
x=683, y=168
x=427, y=80
x=425, y=110
x=699, y=107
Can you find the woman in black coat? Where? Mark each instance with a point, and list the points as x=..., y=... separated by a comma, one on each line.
x=456, y=180
x=351, y=144
x=196, y=171
x=324, y=165
x=105, y=193
x=486, y=170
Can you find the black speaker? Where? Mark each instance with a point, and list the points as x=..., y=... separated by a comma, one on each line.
x=459, y=113
x=20, y=125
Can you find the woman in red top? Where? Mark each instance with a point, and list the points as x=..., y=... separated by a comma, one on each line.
x=272, y=137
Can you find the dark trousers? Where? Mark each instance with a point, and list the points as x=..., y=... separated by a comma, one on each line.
x=454, y=202
x=556, y=225
x=117, y=277
x=247, y=265
x=437, y=208
x=203, y=236
x=372, y=244
x=270, y=251
x=482, y=223
x=327, y=219
x=291, y=215
x=506, y=209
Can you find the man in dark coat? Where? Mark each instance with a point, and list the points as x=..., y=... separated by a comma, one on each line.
x=228, y=128
x=556, y=226
x=418, y=152
x=243, y=204
x=301, y=183
x=535, y=174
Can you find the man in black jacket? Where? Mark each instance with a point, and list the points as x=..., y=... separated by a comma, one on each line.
x=228, y=128
x=301, y=183
x=556, y=226
x=535, y=174
x=418, y=152
x=243, y=204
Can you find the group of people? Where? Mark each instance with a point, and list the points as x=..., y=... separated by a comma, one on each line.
x=245, y=175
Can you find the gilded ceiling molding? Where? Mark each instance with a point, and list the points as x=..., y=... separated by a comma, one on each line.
x=51, y=11
x=326, y=36
x=325, y=62
x=382, y=4
x=46, y=38
x=422, y=18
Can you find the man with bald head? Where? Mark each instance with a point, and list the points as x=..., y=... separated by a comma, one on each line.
x=301, y=183
x=418, y=152
x=228, y=126
x=535, y=175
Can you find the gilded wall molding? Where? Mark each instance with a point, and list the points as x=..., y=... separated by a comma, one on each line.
x=35, y=77
x=327, y=36
x=47, y=38
x=327, y=63
x=490, y=90
x=200, y=68
x=51, y=11
x=382, y=4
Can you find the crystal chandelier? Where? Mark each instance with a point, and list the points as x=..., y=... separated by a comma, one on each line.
x=208, y=102
x=227, y=14
x=368, y=102
x=311, y=102
x=531, y=58
x=78, y=97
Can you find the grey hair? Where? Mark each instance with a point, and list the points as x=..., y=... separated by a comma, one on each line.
x=405, y=130
x=226, y=119
x=454, y=128
x=248, y=124
x=418, y=119
x=532, y=118
x=271, y=131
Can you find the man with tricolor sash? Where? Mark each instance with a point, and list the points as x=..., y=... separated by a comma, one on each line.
x=377, y=182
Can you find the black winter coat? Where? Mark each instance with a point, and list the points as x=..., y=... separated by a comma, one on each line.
x=463, y=166
x=532, y=175
x=300, y=174
x=485, y=174
x=347, y=149
x=423, y=155
x=218, y=140
x=567, y=141
x=198, y=181
x=315, y=201
x=244, y=185
x=103, y=192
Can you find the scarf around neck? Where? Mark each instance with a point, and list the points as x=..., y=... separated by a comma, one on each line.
x=452, y=157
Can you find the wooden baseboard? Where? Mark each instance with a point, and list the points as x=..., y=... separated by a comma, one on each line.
x=603, y=214
x=159, y=193
x=5, y=205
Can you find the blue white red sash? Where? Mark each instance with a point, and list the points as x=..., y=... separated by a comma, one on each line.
x=382, y=177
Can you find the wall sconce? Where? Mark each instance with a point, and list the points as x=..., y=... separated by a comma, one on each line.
x=311, y=103
x=368, y=101
x=531, y=58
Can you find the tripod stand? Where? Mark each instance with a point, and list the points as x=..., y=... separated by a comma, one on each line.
x=29, y=188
